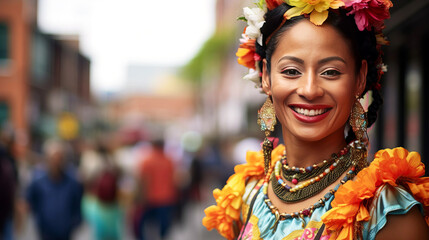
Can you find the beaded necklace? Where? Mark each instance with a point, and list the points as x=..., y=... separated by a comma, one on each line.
x=297, y=174
x=306, y=212
x=358, y=161
x=311, y=186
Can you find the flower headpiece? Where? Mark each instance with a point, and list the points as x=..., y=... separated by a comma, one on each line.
x=368, y=14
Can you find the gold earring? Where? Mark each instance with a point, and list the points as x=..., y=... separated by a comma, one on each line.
x=358, y=120
x=267, y=121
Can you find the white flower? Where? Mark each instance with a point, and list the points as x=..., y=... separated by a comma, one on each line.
x=244, y=38
x=253, y=76
x=254, y=16
x=252, y=32
x=255, y=20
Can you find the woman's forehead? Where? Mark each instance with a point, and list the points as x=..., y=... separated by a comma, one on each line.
x=305, y=37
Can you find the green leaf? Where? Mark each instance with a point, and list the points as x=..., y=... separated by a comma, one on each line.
x=260, y=4
x=242, y=18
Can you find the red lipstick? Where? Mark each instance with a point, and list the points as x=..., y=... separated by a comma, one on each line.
x=310, y=119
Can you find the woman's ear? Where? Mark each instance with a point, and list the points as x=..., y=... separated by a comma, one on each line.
x=361, y=78
x=266, y=82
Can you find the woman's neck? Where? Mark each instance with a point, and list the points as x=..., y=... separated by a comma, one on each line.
x=302, y=153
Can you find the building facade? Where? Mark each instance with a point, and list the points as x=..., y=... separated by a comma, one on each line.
x=41, y=76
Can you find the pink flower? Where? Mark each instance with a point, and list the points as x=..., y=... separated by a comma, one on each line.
x=369, y=13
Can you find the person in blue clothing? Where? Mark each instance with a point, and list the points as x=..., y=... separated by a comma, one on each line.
x=8, y=184
x=54, y=196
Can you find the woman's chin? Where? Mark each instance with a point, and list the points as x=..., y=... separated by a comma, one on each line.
x=315, y=134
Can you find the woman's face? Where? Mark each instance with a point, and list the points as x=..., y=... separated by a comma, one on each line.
x=313, y=81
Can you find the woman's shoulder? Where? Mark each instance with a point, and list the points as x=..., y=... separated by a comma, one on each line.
x=390, y=207
x=400, y=203
x=410, y=226
x=391, y=184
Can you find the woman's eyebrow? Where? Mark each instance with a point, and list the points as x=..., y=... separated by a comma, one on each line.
x=322, y=61
x=333, y=58
x=295, y=59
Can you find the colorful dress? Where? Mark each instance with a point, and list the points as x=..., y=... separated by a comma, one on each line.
x=392, y=184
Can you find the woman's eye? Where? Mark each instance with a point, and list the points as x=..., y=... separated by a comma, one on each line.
x=331, y=73
x=291, y=72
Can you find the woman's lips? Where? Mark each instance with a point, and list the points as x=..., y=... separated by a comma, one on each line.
x=310, y=113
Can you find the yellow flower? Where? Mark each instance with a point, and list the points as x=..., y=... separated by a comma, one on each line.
x=318, y=9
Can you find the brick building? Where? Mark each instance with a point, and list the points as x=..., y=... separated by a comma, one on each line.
x=40, y=75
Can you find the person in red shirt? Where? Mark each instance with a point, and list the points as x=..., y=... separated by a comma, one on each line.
x=159, y=192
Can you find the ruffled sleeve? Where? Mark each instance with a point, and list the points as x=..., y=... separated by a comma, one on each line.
x=225, y=215
x=387, y=200
x=390, y=167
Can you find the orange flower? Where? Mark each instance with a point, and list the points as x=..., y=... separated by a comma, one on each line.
x=254, y=165
x=227, y=210
x=229, y=200
x=397, y=163
x=230, y=196
x=246, y=57
x=246, y=54
x=271, y=4
x=361, y=188
x=255, y=162
x=217, y=218
x=388, y=166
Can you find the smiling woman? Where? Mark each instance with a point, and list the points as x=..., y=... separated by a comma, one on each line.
x=314, y=60
x=308, y=76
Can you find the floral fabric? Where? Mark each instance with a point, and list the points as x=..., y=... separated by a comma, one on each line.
x=290, y=229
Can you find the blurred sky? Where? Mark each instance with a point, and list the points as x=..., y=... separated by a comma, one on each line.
x=117, y=33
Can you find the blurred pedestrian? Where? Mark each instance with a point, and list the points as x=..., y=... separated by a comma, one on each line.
x=7, y=193
x=158, y=191
x=101, y=207
x=55, y=195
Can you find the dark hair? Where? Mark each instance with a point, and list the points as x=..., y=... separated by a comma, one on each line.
x=362, y=43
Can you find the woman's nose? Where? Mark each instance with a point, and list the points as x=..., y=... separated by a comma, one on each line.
x=309, y=87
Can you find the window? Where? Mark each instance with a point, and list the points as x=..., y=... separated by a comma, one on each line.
x=4, y=41
x=40, y=53
x=4, y=48
x=4, y=113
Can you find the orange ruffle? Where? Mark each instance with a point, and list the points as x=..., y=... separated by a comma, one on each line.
x=229, y=200
x=390, y=166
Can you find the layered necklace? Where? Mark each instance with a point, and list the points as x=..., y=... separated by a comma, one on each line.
x=311, y=180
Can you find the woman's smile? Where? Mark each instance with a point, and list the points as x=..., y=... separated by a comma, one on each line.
x=310, y=113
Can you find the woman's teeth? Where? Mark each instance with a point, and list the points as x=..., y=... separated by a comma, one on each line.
x=310, y=113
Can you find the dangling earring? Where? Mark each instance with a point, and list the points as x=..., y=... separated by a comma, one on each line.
x=358, y=120
x=267, y=121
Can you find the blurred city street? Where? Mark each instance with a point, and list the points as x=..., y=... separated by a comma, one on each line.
x=190, y=228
